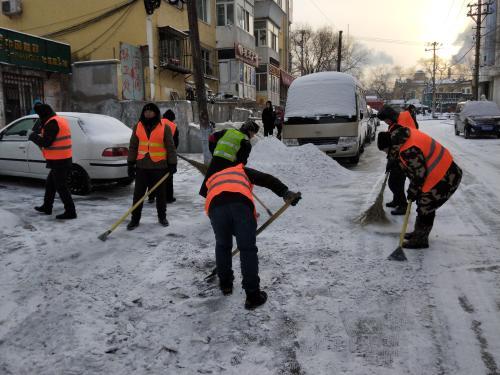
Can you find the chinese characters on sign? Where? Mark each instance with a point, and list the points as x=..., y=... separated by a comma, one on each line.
x=246, y=55
x=33, y=52
x=132, y=72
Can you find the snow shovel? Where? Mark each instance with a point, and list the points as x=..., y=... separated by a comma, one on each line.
x=203, y=169
x=104, y=236
x=262, y=227
x=376, y=211
x=399, y=254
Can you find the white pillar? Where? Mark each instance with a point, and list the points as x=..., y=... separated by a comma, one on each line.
x=149, y=35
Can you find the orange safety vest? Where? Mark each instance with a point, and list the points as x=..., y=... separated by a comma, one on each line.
x=61, y=148
x=171, y=125
x=437, y=158
x=405, y=119
x=153, y=145
x=233, y=180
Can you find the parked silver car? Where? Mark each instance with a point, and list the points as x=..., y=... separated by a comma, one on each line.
x=476, y=118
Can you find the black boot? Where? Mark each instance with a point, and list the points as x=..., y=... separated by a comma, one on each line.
x=417, y=241
x=67, y=215
x=255, y=299
x=410, y=235
x=399, y=210
x=391, y=204
x=171, y=200
x=44, y=210
x=163, y=222
x=134, y=223
x=226, y=285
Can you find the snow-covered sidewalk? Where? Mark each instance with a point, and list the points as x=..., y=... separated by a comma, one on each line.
x=137, y=303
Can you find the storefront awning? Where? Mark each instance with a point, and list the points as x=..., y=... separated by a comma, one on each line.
x=286, y=78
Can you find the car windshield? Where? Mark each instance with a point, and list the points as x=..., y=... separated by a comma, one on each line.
x=480, y=109
x=319, y=119
x=99, y=125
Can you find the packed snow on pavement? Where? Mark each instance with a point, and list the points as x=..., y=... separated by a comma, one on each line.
x=138, y=304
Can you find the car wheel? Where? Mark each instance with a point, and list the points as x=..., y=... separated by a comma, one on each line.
x=361, y=148
x=79, y=181
x=466, y=132
x=456, y=131
x=355, y=159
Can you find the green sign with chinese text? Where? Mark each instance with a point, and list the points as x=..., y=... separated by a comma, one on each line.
x=29, y=51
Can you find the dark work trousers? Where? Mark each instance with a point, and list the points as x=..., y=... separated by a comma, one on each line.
x=169, y=187
x=397, y=180
x=268, y=130
x=236, y=219
x=145, y=178
x=57, y=181
x=280, y=128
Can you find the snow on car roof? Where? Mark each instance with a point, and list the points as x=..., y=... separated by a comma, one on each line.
x=322, y=93
x=480, y=108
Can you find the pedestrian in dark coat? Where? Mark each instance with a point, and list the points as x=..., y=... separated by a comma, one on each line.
x=53, y=135
x=413, y=112
x=433, y=174
x=278, y=122
x=231, y=210
x=268, y=119
x=151, y=155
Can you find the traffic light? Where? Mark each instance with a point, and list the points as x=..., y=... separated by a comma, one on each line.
x=151, y=5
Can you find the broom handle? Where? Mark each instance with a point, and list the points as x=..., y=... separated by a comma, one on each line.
x=405, y=224
x=139, y=202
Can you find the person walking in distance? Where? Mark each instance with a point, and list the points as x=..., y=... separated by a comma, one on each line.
x=151, y=155
x=52, y=133
x=268, y=119
x=434, y=176
x=397, y=177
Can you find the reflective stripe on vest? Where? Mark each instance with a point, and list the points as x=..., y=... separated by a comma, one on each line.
x=171, y=125
x=61, y=148
x=153, y=145
x=229, y=145
x=437, y=158
x=405, y=119
x=232, y=180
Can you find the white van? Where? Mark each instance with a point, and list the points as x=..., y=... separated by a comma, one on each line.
x=329, y=110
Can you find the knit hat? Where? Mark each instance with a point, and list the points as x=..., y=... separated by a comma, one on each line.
x=388, y=113
x=249, y=126
x=384, y=140
x=169, y=115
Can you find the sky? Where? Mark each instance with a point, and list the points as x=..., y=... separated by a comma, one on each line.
x=406, y=26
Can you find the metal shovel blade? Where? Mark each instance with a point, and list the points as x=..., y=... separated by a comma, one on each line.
x=398, y=255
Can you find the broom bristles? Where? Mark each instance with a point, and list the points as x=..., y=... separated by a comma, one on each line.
x=375, y=213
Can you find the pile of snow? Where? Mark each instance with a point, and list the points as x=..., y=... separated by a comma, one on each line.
x=480, y=108
x=305, y=165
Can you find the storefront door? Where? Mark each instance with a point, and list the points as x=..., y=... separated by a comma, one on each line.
x=19, y=93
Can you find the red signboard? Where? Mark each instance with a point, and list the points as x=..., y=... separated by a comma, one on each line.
x=246, y=55
x=286, y=79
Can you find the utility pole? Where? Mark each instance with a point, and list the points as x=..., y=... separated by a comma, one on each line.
x=150, y=6
x=302, y=32
x=199, y=78
x=433, y=49
x=339, y=52
x=478, y=13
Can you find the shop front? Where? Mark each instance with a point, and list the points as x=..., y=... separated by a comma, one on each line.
x=237, y=72
x=31, y=68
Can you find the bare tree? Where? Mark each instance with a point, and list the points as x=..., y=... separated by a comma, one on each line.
x=380, y=80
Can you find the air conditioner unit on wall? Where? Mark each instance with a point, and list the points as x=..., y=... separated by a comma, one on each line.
x=12, y=7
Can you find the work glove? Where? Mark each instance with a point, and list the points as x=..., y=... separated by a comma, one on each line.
x=131, y=170
x=172, y=168
x=32, y=137
x=391, y=164
x=292, y=197
x=412, y=195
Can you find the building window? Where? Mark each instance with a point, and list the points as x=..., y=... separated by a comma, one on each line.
x=266, y=35
x=245, y=17
x=207, y=62
x=173, y=50
x=225, y=13
x=261, y=81
x=203, y=8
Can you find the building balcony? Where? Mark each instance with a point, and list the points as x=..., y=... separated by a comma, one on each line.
x=266, y=54
x=229, y=36
x=270, y=10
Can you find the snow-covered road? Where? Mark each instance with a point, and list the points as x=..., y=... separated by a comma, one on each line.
x=137, y=303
